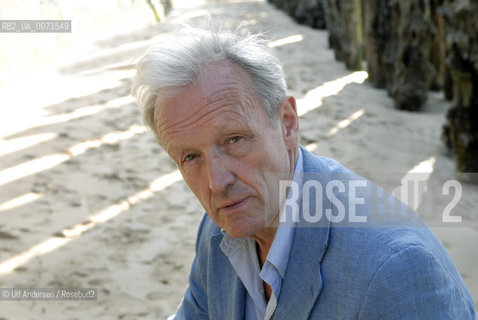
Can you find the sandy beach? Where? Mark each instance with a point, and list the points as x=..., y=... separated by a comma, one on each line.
x=88, y=199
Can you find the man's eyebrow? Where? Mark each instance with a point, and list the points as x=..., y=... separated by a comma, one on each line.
x=175, y=149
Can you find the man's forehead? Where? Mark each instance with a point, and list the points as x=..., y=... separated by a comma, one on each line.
x=222, y=122
x=221, y=82
x=184, y=111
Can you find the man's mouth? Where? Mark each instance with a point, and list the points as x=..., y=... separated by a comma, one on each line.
x=233, y=205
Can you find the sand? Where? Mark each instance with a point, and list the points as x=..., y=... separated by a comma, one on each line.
x=89, y=200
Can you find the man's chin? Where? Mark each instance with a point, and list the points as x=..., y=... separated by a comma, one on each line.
x=243, y=230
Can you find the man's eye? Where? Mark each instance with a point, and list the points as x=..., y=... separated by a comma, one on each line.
x=190, y=157
x=234, y=140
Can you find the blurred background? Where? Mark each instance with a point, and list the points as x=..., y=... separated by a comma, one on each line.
x=89, y=200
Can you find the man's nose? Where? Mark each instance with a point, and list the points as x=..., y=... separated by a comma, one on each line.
x=219, y=174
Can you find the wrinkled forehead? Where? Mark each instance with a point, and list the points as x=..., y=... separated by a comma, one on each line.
x=220, y=83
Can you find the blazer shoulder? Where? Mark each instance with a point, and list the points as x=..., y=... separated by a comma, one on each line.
x=387, y=240
x=368, y=249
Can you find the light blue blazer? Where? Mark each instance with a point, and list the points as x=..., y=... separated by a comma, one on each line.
x=337, y=272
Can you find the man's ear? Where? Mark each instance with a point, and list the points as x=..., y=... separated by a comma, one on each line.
x=289, y=121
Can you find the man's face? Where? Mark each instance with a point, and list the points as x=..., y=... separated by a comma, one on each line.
x=227, y=149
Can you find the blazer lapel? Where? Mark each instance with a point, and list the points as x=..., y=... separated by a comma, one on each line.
x=303, y=280
x=228, y=297
x=300, y=289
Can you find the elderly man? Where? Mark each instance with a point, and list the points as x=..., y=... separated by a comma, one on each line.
x=217, y=103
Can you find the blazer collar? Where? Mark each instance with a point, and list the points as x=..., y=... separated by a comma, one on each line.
x=303, y=280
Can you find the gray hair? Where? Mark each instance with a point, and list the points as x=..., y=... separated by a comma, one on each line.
x=177, y=60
